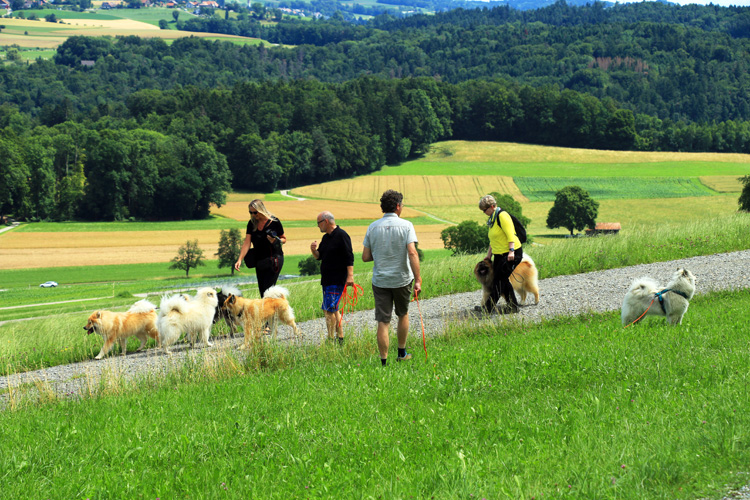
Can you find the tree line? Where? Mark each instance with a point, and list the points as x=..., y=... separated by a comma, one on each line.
x=172, y=153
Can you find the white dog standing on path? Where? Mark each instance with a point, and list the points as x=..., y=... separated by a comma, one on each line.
x=194, y=316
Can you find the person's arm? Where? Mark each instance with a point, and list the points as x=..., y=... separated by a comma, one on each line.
x=350, y=275
x=506, y=224
x=411, y=250
x=366, y=255
x=243, y=251
x=314, y=250
x=489, y=253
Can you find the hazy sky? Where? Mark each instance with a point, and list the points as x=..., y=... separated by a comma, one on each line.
x=725, y=3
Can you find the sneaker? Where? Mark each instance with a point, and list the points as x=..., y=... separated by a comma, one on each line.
x=478, y=309
x=406, y=357
x=509, y=309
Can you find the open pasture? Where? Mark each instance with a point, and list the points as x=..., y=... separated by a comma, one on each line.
x=722, y=183
x=512, y=159
x=612, y=188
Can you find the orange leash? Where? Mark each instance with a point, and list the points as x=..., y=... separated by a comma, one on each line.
x=421, y=320
x=349, y=300
x=644, y=313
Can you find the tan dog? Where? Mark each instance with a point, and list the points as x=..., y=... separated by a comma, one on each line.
x=255, y=312
x=139, y=321
x=525, y=278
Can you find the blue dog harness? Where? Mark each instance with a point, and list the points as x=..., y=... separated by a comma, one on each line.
x=659, y=295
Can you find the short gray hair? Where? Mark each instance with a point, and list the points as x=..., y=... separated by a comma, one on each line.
x=486, y=202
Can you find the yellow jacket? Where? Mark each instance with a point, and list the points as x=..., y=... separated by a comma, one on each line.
x=501, y=233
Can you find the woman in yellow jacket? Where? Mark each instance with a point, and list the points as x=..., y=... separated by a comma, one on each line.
x=508, y=253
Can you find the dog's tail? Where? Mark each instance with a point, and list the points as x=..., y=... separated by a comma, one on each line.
x=643, y=287
x=142, y=306
x=226, y=290
x=276, y=292
x=172, y=305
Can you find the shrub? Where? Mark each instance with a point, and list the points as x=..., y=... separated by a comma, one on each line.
x=467, y=237
x=309, y=266
x=744, y=200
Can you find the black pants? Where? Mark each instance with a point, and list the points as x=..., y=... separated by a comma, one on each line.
x=267, y=277
x=502, y=270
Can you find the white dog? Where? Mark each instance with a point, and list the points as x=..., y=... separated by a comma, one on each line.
x=645, y=295
x=194, y=316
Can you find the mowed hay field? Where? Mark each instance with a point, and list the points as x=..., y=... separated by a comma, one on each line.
x=23, y=250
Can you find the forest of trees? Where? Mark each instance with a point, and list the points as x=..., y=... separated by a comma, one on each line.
x=190, y=119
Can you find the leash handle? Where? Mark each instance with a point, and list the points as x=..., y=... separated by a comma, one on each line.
x=349, y=301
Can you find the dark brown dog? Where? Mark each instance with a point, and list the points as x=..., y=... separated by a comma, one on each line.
x=524, y=278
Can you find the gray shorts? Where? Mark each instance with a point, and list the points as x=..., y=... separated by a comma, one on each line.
x=388, y=298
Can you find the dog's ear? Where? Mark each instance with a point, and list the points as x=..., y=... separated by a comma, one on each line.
x=98, y=314
x=230, y=299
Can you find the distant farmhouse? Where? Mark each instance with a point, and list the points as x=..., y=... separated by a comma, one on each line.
x=604, y=228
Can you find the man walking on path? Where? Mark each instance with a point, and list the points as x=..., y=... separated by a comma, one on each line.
x=336, y=270
x=391, y=243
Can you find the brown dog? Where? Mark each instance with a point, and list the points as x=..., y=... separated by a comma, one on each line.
x=139, y=321
x=255, y=312
x=524, y=278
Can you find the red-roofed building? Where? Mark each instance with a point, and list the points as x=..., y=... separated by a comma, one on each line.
x=604, y=228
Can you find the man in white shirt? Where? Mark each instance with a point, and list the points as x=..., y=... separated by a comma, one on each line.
x=391, y=243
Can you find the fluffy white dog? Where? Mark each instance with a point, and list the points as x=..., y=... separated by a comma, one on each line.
x=671, y=301
x=194, y=316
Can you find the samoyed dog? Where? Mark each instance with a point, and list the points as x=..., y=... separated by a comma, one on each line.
x=194, y=317
x=645, y=295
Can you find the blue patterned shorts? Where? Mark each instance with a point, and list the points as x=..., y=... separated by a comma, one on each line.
x=331, y=297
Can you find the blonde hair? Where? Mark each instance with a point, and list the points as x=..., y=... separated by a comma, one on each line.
x=486, y=202
x=259, y=207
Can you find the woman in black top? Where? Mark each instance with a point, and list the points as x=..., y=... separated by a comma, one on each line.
x=264, y=238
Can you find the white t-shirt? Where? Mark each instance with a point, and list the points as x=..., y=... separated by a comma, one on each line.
x=387, y=239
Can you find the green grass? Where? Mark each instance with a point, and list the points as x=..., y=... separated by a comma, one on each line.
x=215, y=222
x=562, y=169
x=613, y=188
x=66, y=14
x=571, y=408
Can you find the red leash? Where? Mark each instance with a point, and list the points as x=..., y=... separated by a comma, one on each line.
x=349, y=300
x=644, y=313
x=421, y=320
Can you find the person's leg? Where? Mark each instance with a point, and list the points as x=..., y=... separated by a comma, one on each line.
x=383, y=311
x=506, y=287
x=496, y=278
x=383, y=339
x=331, y=323
x=339, y=326
x=403, y=331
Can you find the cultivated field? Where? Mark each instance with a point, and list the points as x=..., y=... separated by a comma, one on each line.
x=418, y=190
x=41, y=34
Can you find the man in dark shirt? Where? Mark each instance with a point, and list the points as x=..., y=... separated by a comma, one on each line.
x=336, y=270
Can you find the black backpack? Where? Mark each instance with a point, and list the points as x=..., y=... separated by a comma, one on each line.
x=520, y=230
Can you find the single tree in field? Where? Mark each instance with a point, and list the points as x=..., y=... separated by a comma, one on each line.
x=230, y=243
x=176, y=15
x=573, y=209
x=744, y=200
x=188, y=256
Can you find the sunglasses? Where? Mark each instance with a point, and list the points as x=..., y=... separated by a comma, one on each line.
x=321, y=220
x=252, y=213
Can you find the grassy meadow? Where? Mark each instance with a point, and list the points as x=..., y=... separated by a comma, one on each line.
x=570, y=408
